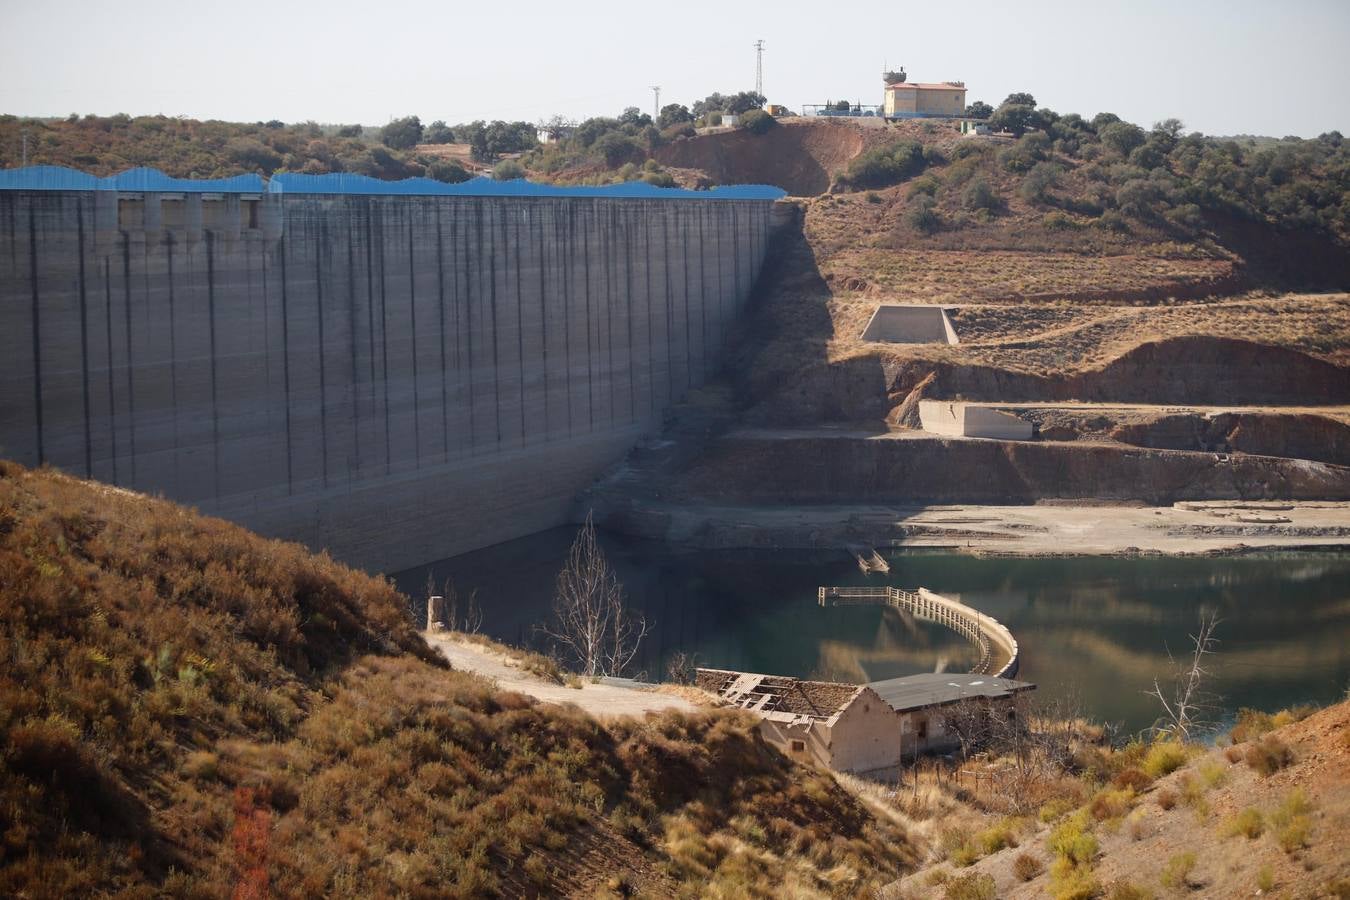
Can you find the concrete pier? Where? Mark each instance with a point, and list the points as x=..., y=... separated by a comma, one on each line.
x=395, y=379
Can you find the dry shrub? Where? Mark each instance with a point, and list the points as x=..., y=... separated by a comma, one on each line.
x=1176, y=873
x=1164, y=758
x=1167, y=798
x=1109, y=804
x=1253, y=723
x=1073, y=881
x=1268, y=755
x=1248, y=824
x=1292, y=821
x=1132, y=778
x=998, y=836
x=971, y=886
x=1121, y=889
x=1027, y=866
x=1072, y=841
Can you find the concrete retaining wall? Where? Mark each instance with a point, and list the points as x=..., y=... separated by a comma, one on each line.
x=956, y=419
x=395, y=379
x=898, y=324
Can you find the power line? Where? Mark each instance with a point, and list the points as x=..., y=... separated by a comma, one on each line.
x=759, y=67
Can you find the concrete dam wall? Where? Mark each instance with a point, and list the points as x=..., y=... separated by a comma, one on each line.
x=394, y=378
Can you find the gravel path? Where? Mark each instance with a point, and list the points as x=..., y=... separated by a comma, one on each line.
x=605, y=699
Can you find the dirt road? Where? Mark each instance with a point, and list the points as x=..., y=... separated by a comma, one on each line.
x=605, y=699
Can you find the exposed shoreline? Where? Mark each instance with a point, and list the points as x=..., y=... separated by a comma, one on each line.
x=1043, y=530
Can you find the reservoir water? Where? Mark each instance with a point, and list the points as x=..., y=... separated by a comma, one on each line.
x=1096, y=628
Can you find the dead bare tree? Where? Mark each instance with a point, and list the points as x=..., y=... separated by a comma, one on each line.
x=589, y=616
x=472, y=623
x=1185, y=701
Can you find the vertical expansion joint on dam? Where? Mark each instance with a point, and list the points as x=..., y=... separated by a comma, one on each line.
x=395, y=378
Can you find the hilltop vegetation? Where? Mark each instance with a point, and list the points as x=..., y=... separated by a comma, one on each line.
x=187, y=148
x=188, y=708
x=1116, y=177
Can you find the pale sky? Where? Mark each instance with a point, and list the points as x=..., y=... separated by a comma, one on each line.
x=1221, y=66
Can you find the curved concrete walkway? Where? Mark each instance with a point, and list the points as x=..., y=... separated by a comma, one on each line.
x=607, y=698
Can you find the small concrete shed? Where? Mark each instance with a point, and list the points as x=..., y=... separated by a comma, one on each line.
x=896, y=323
x=956, y=419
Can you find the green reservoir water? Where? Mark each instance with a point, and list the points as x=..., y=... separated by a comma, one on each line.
x=1095, y=628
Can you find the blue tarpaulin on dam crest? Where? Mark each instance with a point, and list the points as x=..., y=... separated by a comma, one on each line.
x=59, y=178
x=342, y=183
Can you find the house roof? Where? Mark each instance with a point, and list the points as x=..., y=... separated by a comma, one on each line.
x=781, y=694
x=938, y=689
x=926, y=86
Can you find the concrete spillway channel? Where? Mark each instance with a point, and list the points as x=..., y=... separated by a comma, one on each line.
x=998, y=647
x=394, y=372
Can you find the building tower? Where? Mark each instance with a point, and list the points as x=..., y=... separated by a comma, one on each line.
x=656, y=102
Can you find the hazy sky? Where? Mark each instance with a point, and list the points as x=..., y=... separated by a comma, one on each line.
x=1222, y=66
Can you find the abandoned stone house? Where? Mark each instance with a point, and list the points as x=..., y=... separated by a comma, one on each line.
x=864, y=728
x=845, y=727
x=933, y=706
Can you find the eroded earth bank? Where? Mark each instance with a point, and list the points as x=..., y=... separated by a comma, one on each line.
x=1174, y=397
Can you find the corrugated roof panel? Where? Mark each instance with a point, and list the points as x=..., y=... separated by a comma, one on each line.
x=155, y=180
x=344, y=183
x=46, y=178
x=59, y=178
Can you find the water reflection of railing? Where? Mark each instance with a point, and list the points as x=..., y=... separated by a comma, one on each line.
x=985, y=632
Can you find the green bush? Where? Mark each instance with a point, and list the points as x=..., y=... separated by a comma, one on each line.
x=926, y=184
x=617, y=148
x=508, y=170
x=979, y=195
x=1112, y=221
x=1038, y=182
x=886, y=166
x=678, y=130
x=402, y=134
x=922, y=215
x=1026, y=153
x=447, y=171
x=757, y=121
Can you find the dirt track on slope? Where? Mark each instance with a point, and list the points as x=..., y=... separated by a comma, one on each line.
x=606, y=699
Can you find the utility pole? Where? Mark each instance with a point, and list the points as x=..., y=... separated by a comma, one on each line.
x=759, y=67
x=25, y=149
x=656, y=102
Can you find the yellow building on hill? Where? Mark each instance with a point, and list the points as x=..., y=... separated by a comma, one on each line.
x=917, y=100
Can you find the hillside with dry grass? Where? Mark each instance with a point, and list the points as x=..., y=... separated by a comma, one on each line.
x=1265, y=814
x=189, y=709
